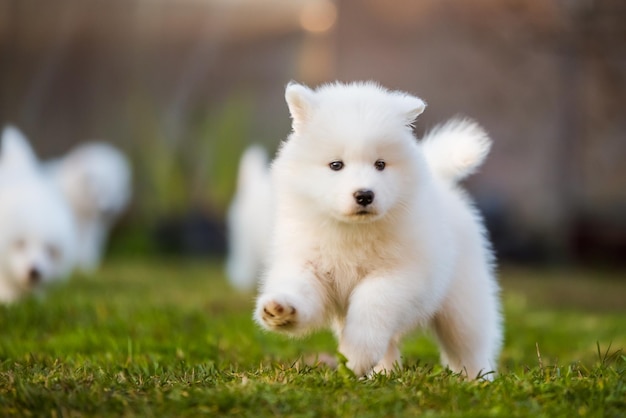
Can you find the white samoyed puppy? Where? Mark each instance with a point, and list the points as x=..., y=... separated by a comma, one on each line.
x=37, y=234
x=373, y=237
x=248, y=219
x=95, y=178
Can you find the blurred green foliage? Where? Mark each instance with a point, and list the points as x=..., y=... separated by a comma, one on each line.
x=197, y=169
x=193, y=169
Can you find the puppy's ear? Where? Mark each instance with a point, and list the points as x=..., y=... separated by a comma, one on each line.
x=16, y=152
x=412, y=107
x=300, y=100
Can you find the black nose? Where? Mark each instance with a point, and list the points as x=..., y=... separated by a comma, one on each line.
x=34, y=275
x=364, y=197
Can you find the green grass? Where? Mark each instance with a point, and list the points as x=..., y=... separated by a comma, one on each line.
x=172, y=339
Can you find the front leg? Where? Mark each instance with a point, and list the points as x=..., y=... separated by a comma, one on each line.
x=291, y=301
x=391, y=360
x=381, y=309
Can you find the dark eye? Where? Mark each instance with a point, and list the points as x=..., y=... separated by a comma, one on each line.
x=336, y=165
x=380, y=165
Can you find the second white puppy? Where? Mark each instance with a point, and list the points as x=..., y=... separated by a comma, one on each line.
x=372, y=235
x=249, y=219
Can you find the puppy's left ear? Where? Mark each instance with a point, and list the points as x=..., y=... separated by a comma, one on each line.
x=15, y=150
x=412, y=107
x=300, y=100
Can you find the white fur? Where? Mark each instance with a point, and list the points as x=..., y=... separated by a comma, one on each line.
x=417, y=256
x=95, y=178
x=456, y=149
x=248, y=219
x=16, y=156
x=37, y=235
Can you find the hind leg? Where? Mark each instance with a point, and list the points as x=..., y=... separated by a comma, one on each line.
x=468, y=327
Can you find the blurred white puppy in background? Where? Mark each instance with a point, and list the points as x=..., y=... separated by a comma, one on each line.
x=248, y=220
x=37, y=231
x=95, y=178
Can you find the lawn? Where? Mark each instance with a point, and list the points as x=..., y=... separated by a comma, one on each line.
x=170, y=338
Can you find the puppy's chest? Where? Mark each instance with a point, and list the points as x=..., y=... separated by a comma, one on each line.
x=340, y=267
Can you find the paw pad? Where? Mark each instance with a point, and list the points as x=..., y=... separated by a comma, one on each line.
x=277, y=315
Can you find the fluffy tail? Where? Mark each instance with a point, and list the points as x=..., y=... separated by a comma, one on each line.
x=456, y=149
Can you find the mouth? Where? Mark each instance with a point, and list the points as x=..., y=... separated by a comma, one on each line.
x=361, y=215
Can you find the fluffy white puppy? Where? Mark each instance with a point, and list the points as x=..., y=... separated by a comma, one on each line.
x=372, y=235
x=95, y=178
x=37, y=235
x=248, y=219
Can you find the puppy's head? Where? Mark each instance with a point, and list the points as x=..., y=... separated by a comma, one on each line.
x=352, y=154
x=32, y=262
x=37, y=235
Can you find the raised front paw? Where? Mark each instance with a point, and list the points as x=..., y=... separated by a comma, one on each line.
x=279, y=316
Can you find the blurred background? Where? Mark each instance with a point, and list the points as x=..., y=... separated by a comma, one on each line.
x=183, y=86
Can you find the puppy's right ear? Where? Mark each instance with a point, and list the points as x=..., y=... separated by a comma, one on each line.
x=412, y=107
x=16, y=152
x=300, y=100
